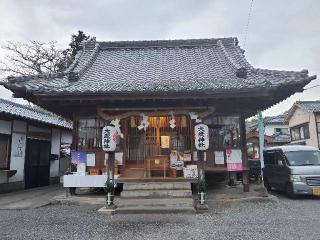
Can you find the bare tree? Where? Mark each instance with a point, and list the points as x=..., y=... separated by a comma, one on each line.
x=33, y=57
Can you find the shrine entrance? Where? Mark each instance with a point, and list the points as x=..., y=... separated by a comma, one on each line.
x=160, y=149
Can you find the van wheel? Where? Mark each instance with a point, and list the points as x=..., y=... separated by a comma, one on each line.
x=266, y=184
x=289, y=191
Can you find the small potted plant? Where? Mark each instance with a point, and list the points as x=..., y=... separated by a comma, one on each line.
x=109, y=188
x=201, y=187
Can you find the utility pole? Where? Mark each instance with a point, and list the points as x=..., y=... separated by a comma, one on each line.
x=261, y=141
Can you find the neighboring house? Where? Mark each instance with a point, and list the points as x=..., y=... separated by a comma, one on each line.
x=304, y=123
x=253, y=144
x=30, y=144
x=158, y=90
x=276, y=128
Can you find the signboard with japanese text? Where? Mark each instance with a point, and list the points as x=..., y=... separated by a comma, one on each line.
x=91, y=159
x=234, y=160
x=119, y=158
x=201, y=138
x=78, y=157
x=190, y=172
x=109, y=138
x=219, y=157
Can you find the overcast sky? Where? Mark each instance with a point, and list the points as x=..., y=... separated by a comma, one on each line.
x=282, y=35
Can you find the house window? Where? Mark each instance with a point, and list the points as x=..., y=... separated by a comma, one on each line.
x=282, y=131
x=4, y=151
x=300, y=132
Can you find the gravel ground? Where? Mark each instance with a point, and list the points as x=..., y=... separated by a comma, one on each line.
x=286, y=219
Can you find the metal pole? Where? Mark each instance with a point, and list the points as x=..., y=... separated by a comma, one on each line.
x=109, y=165
x=112, y=170
x=261, y=141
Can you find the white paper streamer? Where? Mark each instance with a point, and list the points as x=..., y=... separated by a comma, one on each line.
x=116, y=124
x=172, y=122
x=144, y=122
x=195, y=117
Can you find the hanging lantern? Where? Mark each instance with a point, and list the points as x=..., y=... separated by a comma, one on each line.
x=183, y=121
x=133, y=122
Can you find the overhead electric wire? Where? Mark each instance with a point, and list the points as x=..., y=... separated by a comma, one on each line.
x=247, y=25
x=318, y=85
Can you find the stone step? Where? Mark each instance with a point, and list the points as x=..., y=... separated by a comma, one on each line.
x=157, y=186
x=174, y=205
x=153, y=210
x=156, y=194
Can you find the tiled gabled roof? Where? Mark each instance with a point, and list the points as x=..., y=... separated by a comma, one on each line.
x=32, y=113
x=311, y=106
x=279, y=119
x=158, y=67
x=268, y=120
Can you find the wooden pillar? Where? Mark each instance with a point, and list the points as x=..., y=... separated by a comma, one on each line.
x=200, y=163
x=243, y=144
x=75, y=134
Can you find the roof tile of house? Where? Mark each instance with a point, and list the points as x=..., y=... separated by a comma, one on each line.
x=32, y=113
x=312, y=106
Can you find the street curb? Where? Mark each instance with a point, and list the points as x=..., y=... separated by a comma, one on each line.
x=269, y=198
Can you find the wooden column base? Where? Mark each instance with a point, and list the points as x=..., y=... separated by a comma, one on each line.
x=245, y=181
x=246, y=188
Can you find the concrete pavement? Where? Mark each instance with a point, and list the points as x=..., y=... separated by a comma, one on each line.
x=30, y=198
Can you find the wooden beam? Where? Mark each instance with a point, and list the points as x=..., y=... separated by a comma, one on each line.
x=180, y=95
x=148, y=112
x=243, y=144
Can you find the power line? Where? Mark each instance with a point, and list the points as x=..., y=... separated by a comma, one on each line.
x=247, y=25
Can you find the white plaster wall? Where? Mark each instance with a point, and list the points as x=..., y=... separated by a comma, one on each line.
x=55, y=149
x=5, y=127
x=66, y=137
x=18, y=152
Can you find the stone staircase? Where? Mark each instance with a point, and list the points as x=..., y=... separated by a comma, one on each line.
x=156, y=197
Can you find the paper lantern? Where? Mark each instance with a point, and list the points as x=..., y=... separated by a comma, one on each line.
x=201, y=138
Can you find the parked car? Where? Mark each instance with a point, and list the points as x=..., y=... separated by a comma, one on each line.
x=294, y=169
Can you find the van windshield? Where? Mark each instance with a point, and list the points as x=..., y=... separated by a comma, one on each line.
x=303, y=158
